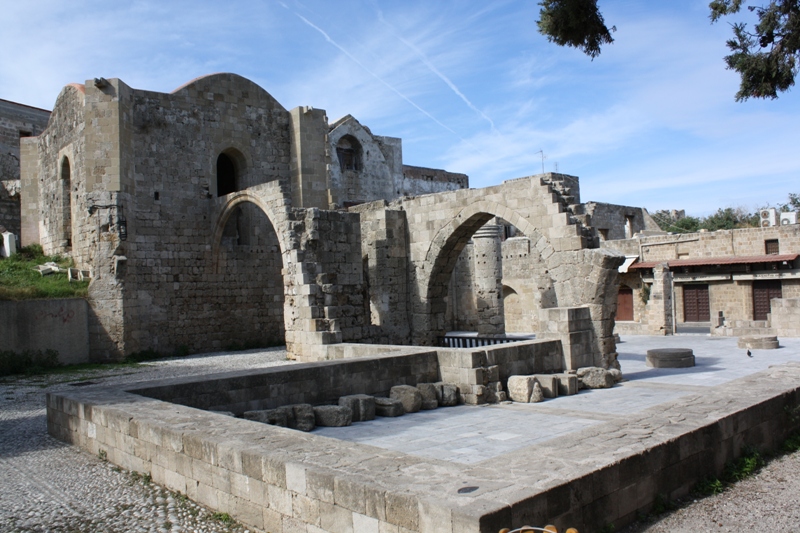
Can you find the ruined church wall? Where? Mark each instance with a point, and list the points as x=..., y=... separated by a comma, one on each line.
x=17, y=121
x=526, y=275
x=462, y=313
x=378, y=169
x=421, y=180
x=174, y=298
x=385, y=267
x=612, y=221
x=57, y=203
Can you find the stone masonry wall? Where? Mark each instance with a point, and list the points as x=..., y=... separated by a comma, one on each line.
x=385, y=266
x=17, y=121
x=419, y=180
x=731, y=291
x=785, y=317
x=377, y=173
x=721, y=243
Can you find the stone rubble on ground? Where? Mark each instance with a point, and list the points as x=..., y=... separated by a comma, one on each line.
x=409, y=396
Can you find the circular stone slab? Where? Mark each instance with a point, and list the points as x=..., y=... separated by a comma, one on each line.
x=670, y=358
x=758, y=342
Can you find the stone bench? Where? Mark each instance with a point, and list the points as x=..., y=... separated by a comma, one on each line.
x=758, y=342
x=670, y=358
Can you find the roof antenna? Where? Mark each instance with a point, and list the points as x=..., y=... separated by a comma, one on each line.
x=541, y=152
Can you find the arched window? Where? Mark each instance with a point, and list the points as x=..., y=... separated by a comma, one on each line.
x=66, y=203
x=348, y=150
x=226, y=174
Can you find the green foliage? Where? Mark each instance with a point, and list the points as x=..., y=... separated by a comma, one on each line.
x=793, y=203
x=662, y=505
x=791, y=444
x=225, y=518
x=645, y=293
x=27, y=362
x=742, y=468
x=20, y=281
x=608, y=528
x=765, y=58
x=709, y=486
x=729, y=218
x=576, y=23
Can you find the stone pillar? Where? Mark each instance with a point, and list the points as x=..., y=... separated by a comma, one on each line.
x=573, y=327
x=489, y=280
x=659, y=310
x=309, y=157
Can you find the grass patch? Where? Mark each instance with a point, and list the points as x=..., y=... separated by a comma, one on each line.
x=225, y=518
x=28, y=362
x=153, y=355
x=20, y=281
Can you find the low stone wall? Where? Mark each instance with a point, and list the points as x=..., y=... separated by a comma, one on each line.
x=478, y=372
x=315, y=383
x=60, y=325
x=281, y=480
x=785, y=317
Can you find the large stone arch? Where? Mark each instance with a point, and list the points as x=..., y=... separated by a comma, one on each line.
x=227, y=206
x=434, y=273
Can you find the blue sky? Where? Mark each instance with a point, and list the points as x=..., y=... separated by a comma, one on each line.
x=470, y=86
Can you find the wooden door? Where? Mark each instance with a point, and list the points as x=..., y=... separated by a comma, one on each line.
x=695, y=303
x=624, y=304
x=763, y=292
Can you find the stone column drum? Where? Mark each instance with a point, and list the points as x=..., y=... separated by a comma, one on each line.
x=489, y=280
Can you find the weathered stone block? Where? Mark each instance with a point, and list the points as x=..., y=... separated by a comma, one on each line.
x=447, y=394
x=409, y=396
x=362, y=405
x=593, y=377
x=520, y=388
x=549, y=384
x=567, y=384
x=333, y=415
x=429, y=395
x=389, y=407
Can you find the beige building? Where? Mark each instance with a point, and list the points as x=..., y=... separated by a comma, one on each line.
x=728, y=280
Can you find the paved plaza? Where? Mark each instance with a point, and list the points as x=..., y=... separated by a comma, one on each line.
x=472, y=434
x=50, y=486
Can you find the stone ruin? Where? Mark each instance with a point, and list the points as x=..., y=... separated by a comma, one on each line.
x=213, y=216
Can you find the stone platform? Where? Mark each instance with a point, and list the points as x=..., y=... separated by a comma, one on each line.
x=582, y=461
x=670, y=358
x=758, y=342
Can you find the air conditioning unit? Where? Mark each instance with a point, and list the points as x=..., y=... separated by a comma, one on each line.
x=769, y=217
x=788, y=218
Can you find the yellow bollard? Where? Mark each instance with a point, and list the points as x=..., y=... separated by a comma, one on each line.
x=504, y=530
x=571, y=530
x=551, y=529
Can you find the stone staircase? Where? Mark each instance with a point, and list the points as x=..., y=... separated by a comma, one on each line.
x=567, y=195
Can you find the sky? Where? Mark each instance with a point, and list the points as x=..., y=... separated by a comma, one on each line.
x=470, y=86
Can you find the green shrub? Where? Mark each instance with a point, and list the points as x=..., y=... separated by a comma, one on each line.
x=27, y=362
